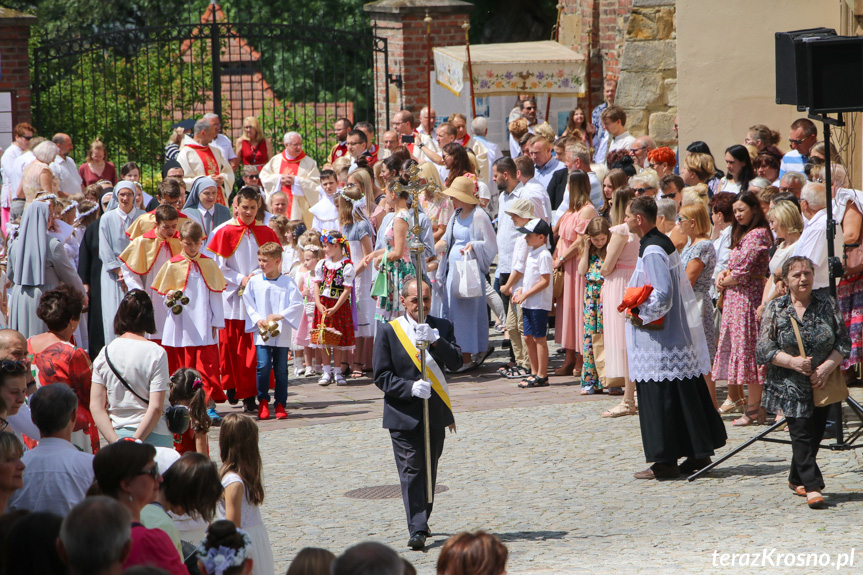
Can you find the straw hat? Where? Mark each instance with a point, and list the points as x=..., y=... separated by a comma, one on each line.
x=462, y=189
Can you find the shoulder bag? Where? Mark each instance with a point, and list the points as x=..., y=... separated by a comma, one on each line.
x=177, y=416
x=835, y=389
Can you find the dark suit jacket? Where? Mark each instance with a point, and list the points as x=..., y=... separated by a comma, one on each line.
x=557, y=187
x=395, y=374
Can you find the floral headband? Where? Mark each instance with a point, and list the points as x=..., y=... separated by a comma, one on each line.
x=68, y=208
x=311, y=248
x=217, y=560
x=351, y=200
x=82, y=215
x=329, y=239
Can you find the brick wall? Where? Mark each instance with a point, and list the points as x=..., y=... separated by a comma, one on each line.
x=603, y=27
x=15, y=61
x=403, y=27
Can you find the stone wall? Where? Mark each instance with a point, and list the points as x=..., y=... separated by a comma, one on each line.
x=600, y=25
x=647, y=87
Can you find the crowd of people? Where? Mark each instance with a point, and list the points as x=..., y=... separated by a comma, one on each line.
x=130, y=319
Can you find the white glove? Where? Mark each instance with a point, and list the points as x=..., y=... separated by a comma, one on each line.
x=424, y=332
x=421, y=389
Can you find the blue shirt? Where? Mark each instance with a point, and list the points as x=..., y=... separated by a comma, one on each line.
x=543, y=174
x=596, y=120
x=793, y=161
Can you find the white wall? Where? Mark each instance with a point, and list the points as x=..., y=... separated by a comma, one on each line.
x=726, y=66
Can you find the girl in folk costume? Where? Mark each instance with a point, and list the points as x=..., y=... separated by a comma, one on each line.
x=304, y=353
x=235, y=247
x=119, y=215
x=333, y=325
x=187, y=389
x=145, y=256
x=189, y=337
x=360, y=234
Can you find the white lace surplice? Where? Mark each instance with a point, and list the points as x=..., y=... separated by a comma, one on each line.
x=678, y=349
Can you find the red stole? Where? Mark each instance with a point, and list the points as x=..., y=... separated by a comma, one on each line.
x=464, y=140
x=227, y=239
x=373, y=154
x=338, y=151
x=211, y=167
x=290, y=167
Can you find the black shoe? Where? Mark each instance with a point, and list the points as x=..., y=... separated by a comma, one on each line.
x=249, y=406
x=691, y=465
x=232, y=396
x=417, y=542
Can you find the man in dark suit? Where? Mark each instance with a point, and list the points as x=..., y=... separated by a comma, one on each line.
x=201, y=206
x=397, y=375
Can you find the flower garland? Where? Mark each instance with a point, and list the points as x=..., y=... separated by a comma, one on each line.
x=218, y=560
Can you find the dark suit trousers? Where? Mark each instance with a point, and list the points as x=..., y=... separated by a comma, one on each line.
x=408, y=448
x=806, y=435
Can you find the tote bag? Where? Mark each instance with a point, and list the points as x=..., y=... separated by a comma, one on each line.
x=467, y=283
x=835, y=389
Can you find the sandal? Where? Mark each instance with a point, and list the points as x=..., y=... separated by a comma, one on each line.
x=518, y=371
x=625, y=407
x=729, y=406
x=527, y=381
x=506, y=370
x=615, y=391
x=755, y=416
x=588, y=390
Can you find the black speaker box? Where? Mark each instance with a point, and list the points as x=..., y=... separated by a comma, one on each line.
x=835, y=74
x=792, y=66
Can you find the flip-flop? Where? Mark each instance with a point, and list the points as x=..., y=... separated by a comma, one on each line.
x=483, y=357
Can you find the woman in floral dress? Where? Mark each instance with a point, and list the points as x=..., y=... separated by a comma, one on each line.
x=596, y=243
x=395, y=260
x=743, y=285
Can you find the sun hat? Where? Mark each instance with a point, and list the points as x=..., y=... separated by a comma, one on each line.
x=462, y=189
x=521, y=208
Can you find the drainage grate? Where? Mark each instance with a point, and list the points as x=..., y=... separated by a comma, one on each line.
x=384, y=492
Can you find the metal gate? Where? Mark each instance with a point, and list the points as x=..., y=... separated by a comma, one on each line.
x=128, y=87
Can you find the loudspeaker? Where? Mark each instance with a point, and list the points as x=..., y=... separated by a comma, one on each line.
x=792, y=66
x=835, y=74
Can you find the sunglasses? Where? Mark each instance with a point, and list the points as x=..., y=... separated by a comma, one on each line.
x=797, y=142
x=28, y=138
x=668, y=196
x=681, y=219
x=12, y=366
x=152, y=472
x=256, y=176
x=3, y=424
x=640, y=191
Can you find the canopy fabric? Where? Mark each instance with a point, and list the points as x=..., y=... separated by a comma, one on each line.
x=507, y=69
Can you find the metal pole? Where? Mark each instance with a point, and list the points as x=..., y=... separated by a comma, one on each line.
x=428, y=22
x=466, y=27
x=216, y=60
x=555, y=35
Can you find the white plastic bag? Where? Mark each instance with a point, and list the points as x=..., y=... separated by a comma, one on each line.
x=467, y=283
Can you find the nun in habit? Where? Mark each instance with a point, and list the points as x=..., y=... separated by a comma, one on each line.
x=119, y=215
x=90, y=272
x=37, y=263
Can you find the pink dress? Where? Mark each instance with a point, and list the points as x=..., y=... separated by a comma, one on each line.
x=569, y=333
x=302, y=335
x=735, y=353
x=613, y=288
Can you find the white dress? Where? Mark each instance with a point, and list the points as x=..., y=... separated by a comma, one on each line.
x=253, y=524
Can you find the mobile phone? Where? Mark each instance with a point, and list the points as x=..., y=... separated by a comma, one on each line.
x=408, y=139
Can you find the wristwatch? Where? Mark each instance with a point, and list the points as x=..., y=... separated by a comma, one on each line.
x=420, y=145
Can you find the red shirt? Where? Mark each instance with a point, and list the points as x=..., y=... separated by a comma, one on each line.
x=253, y=155
x=109, y=173
x=154, y=547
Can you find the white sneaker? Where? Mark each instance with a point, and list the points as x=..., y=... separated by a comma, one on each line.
x=325, y=379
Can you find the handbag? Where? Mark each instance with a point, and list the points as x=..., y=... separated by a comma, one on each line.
x=177, y=416
x=835, y=389
x=467, y=283
x=599, y=355
x=558, y=283
x=381, y=287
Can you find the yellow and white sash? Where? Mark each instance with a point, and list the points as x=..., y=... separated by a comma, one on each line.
x=434, y=374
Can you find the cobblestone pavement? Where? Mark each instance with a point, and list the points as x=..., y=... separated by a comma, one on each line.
x=552, y=479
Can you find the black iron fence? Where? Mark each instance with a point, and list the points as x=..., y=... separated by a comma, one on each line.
x=129, y=87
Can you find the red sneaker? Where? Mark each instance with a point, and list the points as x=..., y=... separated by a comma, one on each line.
x=280, y=411
x=263, y=411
